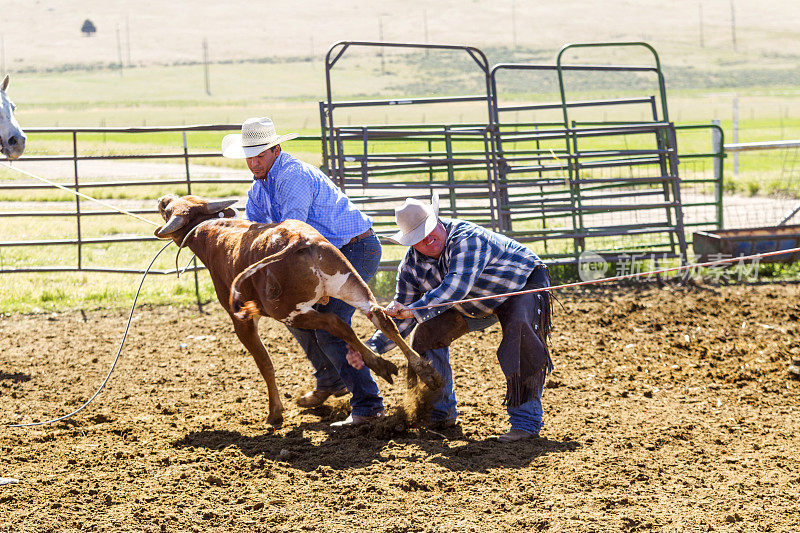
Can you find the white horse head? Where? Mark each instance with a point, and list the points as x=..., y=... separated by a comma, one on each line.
x=12, y=138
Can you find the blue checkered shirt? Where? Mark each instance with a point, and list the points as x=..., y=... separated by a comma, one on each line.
x=295, y=189
x=475, y=262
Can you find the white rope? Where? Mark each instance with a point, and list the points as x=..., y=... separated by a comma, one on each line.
x=616, y=278
x=113, y=365
x=135, y=299
x=76, y=193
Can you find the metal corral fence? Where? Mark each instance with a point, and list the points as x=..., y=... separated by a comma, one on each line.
x=72, y=233
x=777, y=203
x=566, y=184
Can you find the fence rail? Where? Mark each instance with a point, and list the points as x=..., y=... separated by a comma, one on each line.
x=445, y=158
x=766, y=145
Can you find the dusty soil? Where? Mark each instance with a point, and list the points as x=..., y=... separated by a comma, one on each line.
x=670, y=409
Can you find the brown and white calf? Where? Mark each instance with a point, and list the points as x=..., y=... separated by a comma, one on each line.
x=279, y=271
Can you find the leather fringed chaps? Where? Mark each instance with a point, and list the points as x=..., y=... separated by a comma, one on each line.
x=533, y=355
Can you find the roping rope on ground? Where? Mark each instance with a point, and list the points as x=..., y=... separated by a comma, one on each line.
x=133, y=306
x=116, y=358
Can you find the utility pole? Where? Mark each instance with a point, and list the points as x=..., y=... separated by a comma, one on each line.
x=119, y=51
x=128, y=39
x=205, y=66
x=735, y=134
x=514, y=22
x=380, y=38
x=700, y=18
x=733, y=26
x=425, y=25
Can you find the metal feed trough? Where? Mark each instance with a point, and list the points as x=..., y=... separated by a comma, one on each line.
x=712, y=245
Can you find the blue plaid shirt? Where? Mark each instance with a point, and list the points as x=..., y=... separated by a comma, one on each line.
x=475, y=262
x=294, y=189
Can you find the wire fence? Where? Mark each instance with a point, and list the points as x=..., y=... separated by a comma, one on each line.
x=766, y=189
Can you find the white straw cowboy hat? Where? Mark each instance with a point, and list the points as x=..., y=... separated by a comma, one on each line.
x=416, y=220
x=258, y=134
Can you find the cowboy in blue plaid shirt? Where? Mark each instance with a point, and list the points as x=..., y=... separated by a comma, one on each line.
x=451, y=260
x=286, y=188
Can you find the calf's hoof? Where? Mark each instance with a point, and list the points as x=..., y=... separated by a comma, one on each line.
x=276, y=419
x=411, y=377
x=384, y=368
x=429, y=376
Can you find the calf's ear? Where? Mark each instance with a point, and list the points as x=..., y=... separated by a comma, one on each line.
x=165, y=200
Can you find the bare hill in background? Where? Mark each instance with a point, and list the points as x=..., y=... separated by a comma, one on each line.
x=267, y=57
x=39, y=35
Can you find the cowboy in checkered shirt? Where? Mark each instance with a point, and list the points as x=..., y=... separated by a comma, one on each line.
x=451, y=260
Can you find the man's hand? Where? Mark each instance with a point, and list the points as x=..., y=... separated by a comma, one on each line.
x=398, y=310
x=354, y=358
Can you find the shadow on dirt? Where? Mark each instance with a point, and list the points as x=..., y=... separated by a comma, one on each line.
x=16, y=377
x=357, y=447
x=479, y=455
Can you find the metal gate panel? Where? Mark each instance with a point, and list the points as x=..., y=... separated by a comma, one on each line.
x=608, y=187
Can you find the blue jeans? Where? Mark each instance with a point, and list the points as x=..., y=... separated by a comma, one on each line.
x=328, y=353
x=527, y=417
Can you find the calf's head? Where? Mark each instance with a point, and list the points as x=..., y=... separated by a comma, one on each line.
x=181, y=214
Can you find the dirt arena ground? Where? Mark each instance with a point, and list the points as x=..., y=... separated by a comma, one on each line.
x=670, y=409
